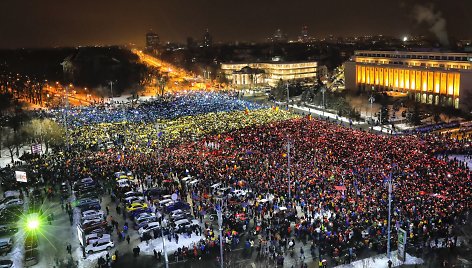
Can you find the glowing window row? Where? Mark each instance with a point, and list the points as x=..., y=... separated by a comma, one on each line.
x=405, y=79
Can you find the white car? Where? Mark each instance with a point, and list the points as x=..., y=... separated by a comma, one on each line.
x=132, y=193
x=92, y=214
x=11, y=203
x=144, y=215
x=92, y=238
x=149, y=227
x=90, y=220
x=102, y=244
x=134, y=199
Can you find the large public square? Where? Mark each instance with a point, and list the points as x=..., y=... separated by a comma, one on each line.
x=295, y=189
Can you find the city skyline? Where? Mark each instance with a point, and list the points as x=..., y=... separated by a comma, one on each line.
x=51, y=23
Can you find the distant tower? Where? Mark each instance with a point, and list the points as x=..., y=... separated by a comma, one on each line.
x=207, y=39
x=304, y=34
x=152, y=41
x=279, y=37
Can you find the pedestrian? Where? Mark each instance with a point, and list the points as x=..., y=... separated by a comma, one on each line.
x=108, y=210
x=69, y=249
x=127, y=239
x=155, y=254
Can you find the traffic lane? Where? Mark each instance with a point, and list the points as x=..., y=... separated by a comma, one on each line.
x=54, y=237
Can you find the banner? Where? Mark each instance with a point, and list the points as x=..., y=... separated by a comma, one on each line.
x=21, y=176
x=401, y=244
x=36, y=148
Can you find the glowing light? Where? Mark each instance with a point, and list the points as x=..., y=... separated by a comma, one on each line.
x=405, y=38
x=32, y=223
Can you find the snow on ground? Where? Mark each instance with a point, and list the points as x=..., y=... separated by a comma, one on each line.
x=381, y=261
x=18, y=250
x=325, y=114
x=170, y=246
x=468, y=161
x=6, y=159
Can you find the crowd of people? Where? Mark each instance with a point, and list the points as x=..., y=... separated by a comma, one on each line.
x=167, y=107
x=338, y=176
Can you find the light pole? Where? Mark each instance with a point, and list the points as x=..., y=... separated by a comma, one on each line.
x=159, y=134
x=289, y=143
x=164, y=225
x=220, y=226
x=111, y=90
x=65, y=117
x=371, y=100
x=323, y=90
x=389, y=211
x=288, y=96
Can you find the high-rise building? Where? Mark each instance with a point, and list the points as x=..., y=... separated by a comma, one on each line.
x=152, y=41
x=207, y=39
x=435, y=78
x=304, y=35
x=279, y=37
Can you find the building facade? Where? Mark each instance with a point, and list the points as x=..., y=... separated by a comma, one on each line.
x=269, y=73
x=435, y=78
x=152, y=41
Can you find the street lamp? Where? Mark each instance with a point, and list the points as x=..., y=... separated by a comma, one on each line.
x=219, y=210
x=111, y=91
x=323, y=91
x=164, y=225
x=288, y=97
x=371, y=100
x=289, y=144
x=389, y=209
x=159, y=134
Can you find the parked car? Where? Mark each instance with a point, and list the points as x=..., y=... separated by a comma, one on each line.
x=144, y=221
x=90, y=214
x=31, y=241
x=99, y=246
x=6, y=245
x=92, y=238
x=87, y=202
x=136, y=206
x=91, y=224
x=176, y=205
x=92, y=221
x=93, y=206
x=8, y=229
x=6, y=263
x=11, y=203
x=149, y=227
x=134, y=199
x=31, y=257
x=181, y=225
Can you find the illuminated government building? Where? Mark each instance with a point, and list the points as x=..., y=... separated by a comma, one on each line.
x=435, y=78
x=268, y=73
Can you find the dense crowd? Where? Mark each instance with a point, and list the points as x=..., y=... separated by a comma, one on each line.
x=168, y=107
x=338, y=175
x=144, y=136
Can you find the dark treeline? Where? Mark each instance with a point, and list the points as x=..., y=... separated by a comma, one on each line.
x=90, y=67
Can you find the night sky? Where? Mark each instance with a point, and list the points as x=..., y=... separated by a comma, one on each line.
x=45, y=23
